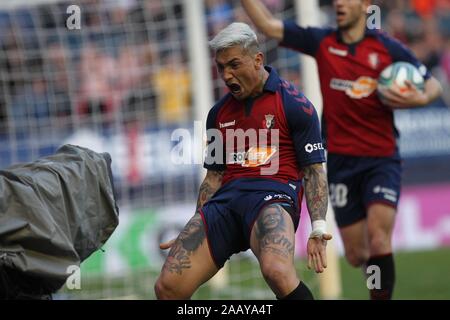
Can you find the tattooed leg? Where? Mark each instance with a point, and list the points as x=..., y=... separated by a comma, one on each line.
x=186, y=244
x=188, y=265
x=271, y=232
x=273, y=242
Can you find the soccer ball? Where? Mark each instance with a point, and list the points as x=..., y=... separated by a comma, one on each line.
x=397, y=73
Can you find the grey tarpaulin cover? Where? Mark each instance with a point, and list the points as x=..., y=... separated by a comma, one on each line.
x=56, y=211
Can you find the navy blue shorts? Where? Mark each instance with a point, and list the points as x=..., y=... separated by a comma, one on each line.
x=230, y=214
x=357, y=182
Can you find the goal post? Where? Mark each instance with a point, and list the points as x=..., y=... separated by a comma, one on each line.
x=307, y=12
x=202, y=90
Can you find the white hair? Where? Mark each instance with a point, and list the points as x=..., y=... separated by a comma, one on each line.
x=236, y=34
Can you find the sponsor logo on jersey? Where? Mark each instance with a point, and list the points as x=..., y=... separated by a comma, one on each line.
x=358, y=89
x=227, y=124
x=254, y=157
x=338, y=52
x=313, y=147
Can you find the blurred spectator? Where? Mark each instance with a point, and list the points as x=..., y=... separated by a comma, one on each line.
x=433, y=42
x=164, y=16
x=30, y=108
x=445, y=60
x=128, y=68
x=139, y=102
x=445, y=67
x=219, y=13
x=56, y=70
x=425, y=8
x=12, y=62
x=102, y=70
x=396, y=25
x=172, y=81
x=98, y=80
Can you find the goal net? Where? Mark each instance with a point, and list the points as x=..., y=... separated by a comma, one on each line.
x=114, y=76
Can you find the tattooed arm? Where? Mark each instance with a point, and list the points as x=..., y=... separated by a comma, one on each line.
x=316, y=193
x=209, y=186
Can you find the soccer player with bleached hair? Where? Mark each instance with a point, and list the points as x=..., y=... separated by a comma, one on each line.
x=251, y=195
x=363, y=162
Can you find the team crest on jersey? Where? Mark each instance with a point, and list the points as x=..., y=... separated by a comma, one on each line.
x=374, y=60
x=270, y=121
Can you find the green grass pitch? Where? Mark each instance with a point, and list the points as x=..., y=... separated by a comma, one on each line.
x=420, y=275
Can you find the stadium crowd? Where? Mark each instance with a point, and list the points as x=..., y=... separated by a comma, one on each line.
x=128, y=61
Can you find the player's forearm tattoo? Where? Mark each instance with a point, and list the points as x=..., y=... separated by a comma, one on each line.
x=271, y=232
x=187, y=243
x=316, y=191
x=209, y=186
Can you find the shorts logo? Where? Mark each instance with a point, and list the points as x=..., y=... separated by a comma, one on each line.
x=388, y=194
x=282, y=196
x=278, y=196
x=313, y=147
x=270, y=121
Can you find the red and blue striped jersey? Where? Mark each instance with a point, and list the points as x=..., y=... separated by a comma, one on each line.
x=354, y=122
x=281, y=130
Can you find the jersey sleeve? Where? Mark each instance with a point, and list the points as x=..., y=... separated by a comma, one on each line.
x=304, y=125
x=215, y=156
x=400, y=52
x=306, y=40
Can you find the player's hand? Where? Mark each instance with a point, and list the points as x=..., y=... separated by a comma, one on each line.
x=396, y=98
x=316, y=249
x=167, y=245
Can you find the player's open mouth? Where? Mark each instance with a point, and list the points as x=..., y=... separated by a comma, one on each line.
x=234, y=88
x=340, y=14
